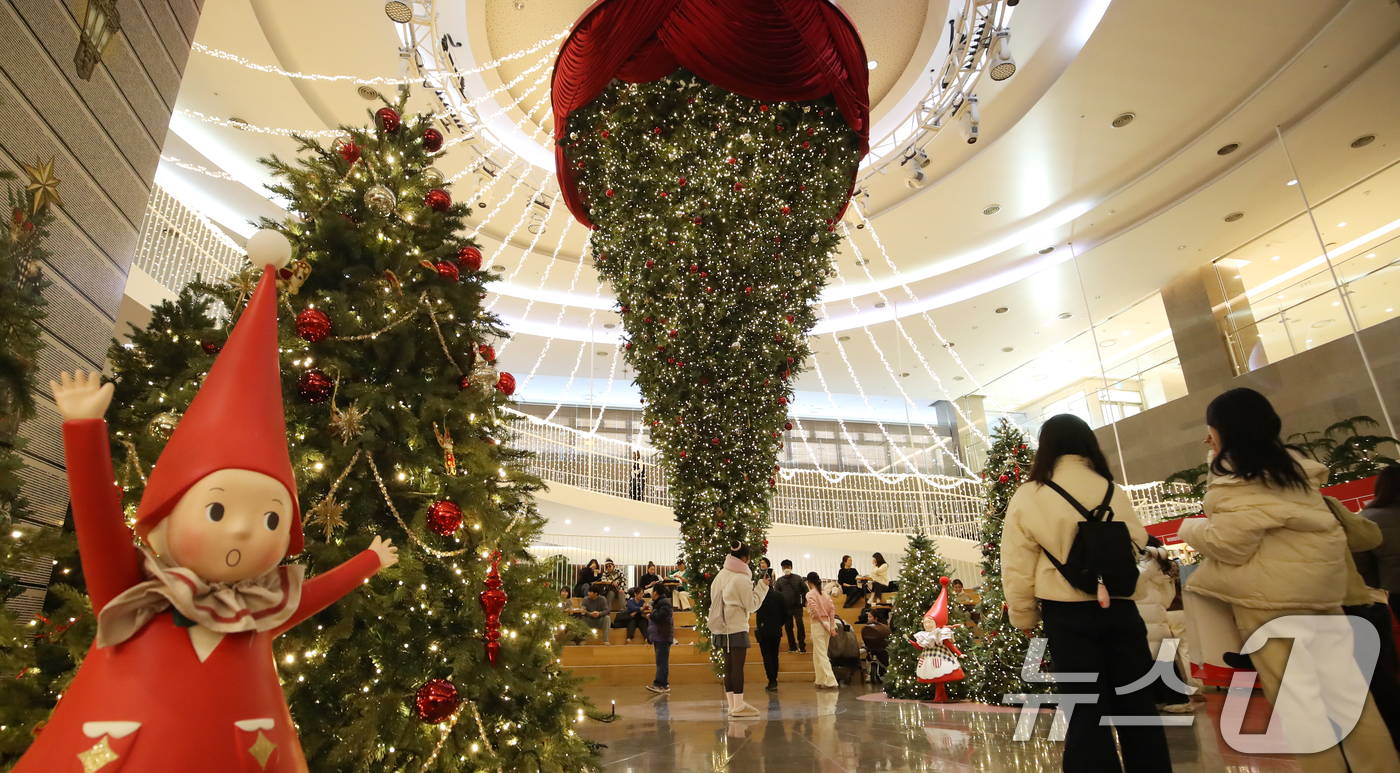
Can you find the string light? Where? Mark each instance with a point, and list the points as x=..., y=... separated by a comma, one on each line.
x=587, y=250
x=553, y=259
x=378, y=81
x=197, y=168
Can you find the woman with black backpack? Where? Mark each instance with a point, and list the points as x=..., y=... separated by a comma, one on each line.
x=1069, y=555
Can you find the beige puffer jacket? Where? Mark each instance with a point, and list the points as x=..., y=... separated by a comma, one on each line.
x=1037, y=517
x=1158, y=590
x=1267, y=547
x=733, y=597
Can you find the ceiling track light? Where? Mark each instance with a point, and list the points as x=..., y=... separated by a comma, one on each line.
x=969, y=120
x=1001, y=63
x=399, y=12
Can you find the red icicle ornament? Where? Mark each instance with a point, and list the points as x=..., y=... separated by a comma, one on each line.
x=493, y=600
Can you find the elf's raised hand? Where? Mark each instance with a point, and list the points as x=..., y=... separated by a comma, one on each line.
x=388, y=554
x=82, y=395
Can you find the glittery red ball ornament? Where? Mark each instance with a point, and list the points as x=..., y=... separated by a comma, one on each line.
x=314, y=386
x=448, y=270
x=787, y=209
x=788, y=425
x=714, y=441
x=506, y=384
x=388, y=119
x=604, y=134
x=733, y=160
x=469, y=258
x=611, y=193
x=210, y=346
x=651, y=263
x=432, y=140
x=656, y=130
x=738, y=186
x=313, y=325
x=349, y=151
x=1003, y=478
x=437, y=700
x=444, y=518
x=438, y=199
x=762, y=108
x=487, y=352
x=782, y=401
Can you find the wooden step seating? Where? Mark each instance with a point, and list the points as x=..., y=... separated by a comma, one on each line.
x=620, y=663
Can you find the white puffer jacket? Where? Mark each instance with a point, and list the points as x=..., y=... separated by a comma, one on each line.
x=1267, y=547
x=1158, y=590
x=733, y=597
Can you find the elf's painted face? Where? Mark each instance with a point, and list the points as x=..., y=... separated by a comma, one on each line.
x=929, y=624
x=232, y=525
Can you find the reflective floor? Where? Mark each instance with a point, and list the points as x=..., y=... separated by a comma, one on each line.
x=805, y=729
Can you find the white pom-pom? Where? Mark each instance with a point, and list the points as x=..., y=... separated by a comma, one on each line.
x=269, y=248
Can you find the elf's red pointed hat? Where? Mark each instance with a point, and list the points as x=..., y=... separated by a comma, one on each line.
x=939, y=611
x=236, y=419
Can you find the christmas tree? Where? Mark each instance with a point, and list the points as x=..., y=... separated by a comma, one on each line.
x=715, y=222
x=395, y=423
x=995, y=661
x=34, y=669
x=919, y=587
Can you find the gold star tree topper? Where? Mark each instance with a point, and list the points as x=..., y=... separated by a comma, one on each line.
x=43, y=184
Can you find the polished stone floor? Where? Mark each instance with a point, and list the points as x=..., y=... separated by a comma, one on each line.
x=805, y=729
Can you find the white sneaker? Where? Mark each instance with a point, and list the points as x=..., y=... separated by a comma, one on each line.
x=658, y=690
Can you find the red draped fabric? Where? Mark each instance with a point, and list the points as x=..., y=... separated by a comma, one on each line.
x=778, y=50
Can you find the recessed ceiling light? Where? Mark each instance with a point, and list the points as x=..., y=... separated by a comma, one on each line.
x=904, y=375
x=1226, y=150
x=806, y=555
x=1308, y=341
x=1336, y=303
x=1389, y=310
x=1002, y=309
x=1108, y=343
x=398, y=11
x=957, y=378
x=367, y=92
x=1008, y=348
x=1123, y=120
x=1322, y=323
x=608, y=326
x=1372, y=255
x=843, y=338
x=1064, y=315
x=863, y=261
x=880, y=305
x=1046, y=250
x=602, y=354
x=636, y=534
x=1342, y=224
x=566, y=520
x=607, y=528
x=1363, y=140
x=498, y=267
x=1039, y=377
x=1276, y=257
x=991, y=209
x=1292, y=183
x=1234, y=216
x=872, y=64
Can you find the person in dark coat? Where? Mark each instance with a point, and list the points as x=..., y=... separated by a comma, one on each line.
x=1381, y=566
x=771, y=616
x=661, y=633
x=793, y=588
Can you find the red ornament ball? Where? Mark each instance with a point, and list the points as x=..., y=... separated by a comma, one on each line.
x=579, y=165
x=506, y=384
x=694, y=267
x=787, y=426
x=604, y=134
x=651, y=263
x=802, y=187
x=664, y=194
x=314, y=386
x=611, y=193
x=733, y=160
x=738, y=186
x=786, y=209
x=388, y=119
x=437, y=700
x=1003, y=478
x=313, y=325
x=349, y=151
x=656, y=130
x=444, y=518
x=714, y=441
x=448, y=270
x=681, y=181
x=487, y=352
x=696, y=220
x=438, y=199
x=469, y=258
x=782, y=401
x=432, y=140
x=806, y=144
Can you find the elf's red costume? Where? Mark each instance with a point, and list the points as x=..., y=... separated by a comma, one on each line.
x=148, y=703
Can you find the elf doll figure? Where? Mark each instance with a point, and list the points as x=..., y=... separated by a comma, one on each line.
x=938, y=655
x=181, y=676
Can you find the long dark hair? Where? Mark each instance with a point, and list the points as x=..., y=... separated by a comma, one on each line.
x=1387, y=487
x=879, y=559
x=1063, y=435
x=1250, y=446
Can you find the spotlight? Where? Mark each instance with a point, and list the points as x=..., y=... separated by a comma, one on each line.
x=916, y=178
x=483, y=189
x=1003, y=66
x=398, y=11
x=538, y=211
x=969, y=120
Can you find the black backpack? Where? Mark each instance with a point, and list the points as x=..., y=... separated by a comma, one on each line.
x=1102, y=551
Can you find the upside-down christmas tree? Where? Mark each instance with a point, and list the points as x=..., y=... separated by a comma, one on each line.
x=714, y=217
x=995, y=661
x=447, y=660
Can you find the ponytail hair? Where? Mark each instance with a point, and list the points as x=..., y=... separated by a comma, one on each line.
x=739, y=550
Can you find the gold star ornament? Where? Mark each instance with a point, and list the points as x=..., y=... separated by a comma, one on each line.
x=262, y=750
x=347, y=423
x=326, y=514
x=42, y=184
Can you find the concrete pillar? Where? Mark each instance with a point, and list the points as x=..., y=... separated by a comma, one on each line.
x=1201, y=345
x=974, y=450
